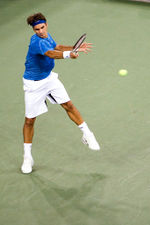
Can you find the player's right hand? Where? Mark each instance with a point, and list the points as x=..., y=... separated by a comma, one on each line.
x=73, y=55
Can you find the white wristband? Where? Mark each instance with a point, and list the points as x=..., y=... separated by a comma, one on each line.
x=66, y=54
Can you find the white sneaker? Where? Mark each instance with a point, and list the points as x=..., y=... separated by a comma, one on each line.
x=90, y=140
x=27, y=165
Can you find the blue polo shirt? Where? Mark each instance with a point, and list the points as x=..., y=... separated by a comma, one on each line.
x=37, y=65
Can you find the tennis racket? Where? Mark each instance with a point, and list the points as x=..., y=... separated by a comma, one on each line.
x=78, y=43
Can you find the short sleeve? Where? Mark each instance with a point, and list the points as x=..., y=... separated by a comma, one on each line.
x=46, y=45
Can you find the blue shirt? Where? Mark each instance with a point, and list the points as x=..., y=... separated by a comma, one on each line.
x=37, y=65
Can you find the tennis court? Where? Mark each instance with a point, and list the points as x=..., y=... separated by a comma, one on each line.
x=70, y=184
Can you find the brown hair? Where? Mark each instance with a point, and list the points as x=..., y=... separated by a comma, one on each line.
x=35, y=17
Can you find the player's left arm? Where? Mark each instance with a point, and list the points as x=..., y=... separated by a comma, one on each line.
x=63, y=48
x=85, y=47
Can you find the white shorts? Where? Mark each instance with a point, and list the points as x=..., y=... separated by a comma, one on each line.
x=36, y=93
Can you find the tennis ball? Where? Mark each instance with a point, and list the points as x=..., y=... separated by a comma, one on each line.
x=123, y=72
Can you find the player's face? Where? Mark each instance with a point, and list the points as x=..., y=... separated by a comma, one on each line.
x=41, y=30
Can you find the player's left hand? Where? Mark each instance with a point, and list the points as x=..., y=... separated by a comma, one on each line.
x=85, y=47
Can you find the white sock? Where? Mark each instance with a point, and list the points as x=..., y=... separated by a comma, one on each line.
x=27, y=150
x=84, y=128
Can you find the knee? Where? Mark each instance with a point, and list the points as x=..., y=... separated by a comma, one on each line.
x=68, y=106
x=29, y=122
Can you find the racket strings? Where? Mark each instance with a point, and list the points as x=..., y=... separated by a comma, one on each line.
x=79, y=42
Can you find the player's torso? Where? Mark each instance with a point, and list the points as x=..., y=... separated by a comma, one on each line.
x=37, y=64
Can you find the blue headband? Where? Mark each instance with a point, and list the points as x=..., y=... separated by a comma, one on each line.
x=38, y=22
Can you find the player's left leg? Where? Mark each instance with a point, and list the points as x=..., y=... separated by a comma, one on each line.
x=57, y=94
x=88, y=137
x=72, y=112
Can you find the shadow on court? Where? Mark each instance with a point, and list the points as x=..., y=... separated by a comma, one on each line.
x=75, y=205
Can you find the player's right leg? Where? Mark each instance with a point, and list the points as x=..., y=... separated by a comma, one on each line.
x=28, y=129
x=28, y=132
x=35, y=95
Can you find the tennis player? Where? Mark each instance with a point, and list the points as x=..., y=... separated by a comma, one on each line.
x=41, y=83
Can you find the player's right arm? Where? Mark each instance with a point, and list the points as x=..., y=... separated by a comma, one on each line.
x=55, y=54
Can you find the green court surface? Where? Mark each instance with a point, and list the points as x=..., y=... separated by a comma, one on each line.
x=70, y=184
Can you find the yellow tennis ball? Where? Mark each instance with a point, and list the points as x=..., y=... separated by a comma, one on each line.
x=123, y=72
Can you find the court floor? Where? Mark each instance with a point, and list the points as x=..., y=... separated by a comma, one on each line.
x=70, y=184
